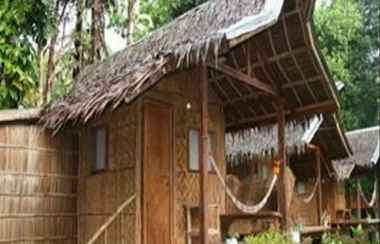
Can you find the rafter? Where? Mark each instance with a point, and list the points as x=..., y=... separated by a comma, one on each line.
x=324, y=107
x=238, y=75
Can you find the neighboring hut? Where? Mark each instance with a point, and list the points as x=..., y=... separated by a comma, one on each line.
x=38, y=181
x=365, y=144
x=147, y=117
x=311, y=150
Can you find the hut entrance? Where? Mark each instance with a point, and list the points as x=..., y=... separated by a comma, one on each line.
x=157, y=180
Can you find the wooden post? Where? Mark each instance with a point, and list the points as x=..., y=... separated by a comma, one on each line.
x=378, y=188
x=318, y=158
x=203, y=179
x=282, y=192
x=358, y=200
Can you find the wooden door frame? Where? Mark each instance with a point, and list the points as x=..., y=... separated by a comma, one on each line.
x=147, y=101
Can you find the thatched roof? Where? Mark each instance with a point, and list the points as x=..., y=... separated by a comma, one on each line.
x=365, y=147
x=14, y=115
x=324, y=131
x=343, y=168
x=365, y=144
x=266, y=40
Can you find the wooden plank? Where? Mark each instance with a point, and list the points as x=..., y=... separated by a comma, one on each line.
x=238, y=75
x=203, y=144
x=157, y=211
x=283, y=196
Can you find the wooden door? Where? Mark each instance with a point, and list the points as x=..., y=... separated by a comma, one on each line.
x=157, y=173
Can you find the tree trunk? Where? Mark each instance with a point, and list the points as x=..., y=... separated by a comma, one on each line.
x=78, y=54
x=133, y=10
x=51, y=59
x=97, y=30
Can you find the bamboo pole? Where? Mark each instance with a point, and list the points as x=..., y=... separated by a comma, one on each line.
x=203, y=144
x=103, y=228
x=282, y=157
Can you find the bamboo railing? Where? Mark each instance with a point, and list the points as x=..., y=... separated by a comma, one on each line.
x=103, y=230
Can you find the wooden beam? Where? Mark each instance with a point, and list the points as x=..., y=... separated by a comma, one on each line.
x=323, y=107
x=203, y=144
x=283, y=194
x=238, y=75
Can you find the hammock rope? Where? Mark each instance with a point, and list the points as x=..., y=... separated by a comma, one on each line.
x=374, y=194
x=249, y=209
x=312, y=194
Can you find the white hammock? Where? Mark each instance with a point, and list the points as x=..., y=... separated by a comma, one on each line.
x=374, y=193
x=241, y=206
x=312, y=194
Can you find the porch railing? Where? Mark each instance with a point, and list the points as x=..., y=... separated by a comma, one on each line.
x=103, y=230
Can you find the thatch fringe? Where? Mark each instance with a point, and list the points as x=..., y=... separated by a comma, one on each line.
x=261, y=142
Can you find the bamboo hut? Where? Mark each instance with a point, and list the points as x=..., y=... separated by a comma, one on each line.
x=38, y=181
x=149, y=118
x=312, y=149
x=365, y=145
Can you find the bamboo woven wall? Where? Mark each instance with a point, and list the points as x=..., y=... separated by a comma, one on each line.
x=102, y=193
x=38, y=185
x=178, y=90
x=305, y=213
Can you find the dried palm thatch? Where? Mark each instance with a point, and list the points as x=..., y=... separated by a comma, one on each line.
x=324, y=131
x=269, y=40
x=121, y=77
x=263, y=143
x=365, y=146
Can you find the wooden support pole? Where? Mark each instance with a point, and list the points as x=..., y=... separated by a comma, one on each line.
x=358, y=200
x=203, y=144
x=282, y=192
x=378, y=188
x=319, y=176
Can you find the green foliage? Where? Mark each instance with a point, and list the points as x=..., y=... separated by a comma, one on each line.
x=358, y=231
x=272, y=237
x=345, y=239
x=24, y=27
x=164, y=11
x=348, y=38
x=118, y=13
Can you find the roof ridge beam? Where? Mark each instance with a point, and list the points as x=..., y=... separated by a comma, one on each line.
x=238, y=75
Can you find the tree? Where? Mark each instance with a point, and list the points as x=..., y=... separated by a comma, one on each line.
x=345, y=42
x=24, y=27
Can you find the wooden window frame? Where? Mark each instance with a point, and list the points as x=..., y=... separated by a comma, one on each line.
x=210, y=132
x=93, y=131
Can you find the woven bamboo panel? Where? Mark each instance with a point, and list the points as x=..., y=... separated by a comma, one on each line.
x=102, y=193
x=37, y=185
x=304, y=213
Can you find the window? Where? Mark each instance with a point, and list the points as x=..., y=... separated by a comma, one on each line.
x=193, y=149
x=98, y=149
x=263, y=170
x=301, y=187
